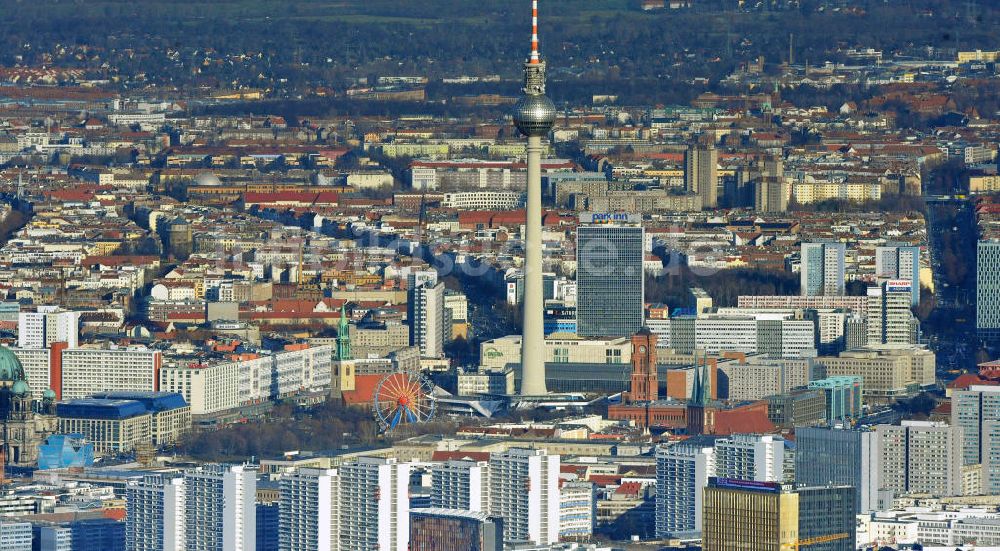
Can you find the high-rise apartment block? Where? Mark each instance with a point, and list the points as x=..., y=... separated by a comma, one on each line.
x=682, y=472
x=155, y=518
x=701, y=174
x=219, y=508
x=309, y=511
x=890, y=320
x=610, y=281
x=977, y=411
x=524, y=491
x=427, y=318
x=750, y=457
x=921, y=457
x=209, y=508
x=900, y=263
x=822, y=269
x=48, y=325
x=375, y=504
x=458, y=484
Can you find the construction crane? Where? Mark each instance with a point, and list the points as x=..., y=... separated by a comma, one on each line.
x=820, y=539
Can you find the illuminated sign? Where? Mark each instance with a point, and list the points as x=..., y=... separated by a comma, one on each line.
x=748, y=485
x=898, y=286
x=609, y=218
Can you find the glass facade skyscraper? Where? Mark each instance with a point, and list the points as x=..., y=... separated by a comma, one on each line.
x=610, y=286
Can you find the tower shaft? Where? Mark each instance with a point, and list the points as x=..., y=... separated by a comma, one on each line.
x=533, y=339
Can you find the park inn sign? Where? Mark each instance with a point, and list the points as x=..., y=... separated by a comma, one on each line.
x=609, y=218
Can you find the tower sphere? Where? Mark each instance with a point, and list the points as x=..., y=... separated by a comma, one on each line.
x=534, y=115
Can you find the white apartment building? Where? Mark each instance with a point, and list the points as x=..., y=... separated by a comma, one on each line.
x=210, y=388
x=15, y=536
x=524, y=490
x=220, y=508
x=426, y=311
x=48, y=325
x=890, y=320
x=81, y=372
x=682, y=472
x=750, y=457
x=921, y=457
x=458, y=484
x=577, y=510
x=375, y=504
x=155, y=514
x=309, y=517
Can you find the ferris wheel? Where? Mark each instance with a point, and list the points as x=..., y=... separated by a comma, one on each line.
x=402, y=398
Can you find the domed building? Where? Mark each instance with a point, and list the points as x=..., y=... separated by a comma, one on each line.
x=24, y=423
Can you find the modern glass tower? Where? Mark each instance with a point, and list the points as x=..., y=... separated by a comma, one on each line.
x=610, y=284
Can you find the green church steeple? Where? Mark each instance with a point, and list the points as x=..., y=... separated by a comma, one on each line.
x=343, y=336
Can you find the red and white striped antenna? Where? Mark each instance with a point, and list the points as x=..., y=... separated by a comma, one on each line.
x=534, y=33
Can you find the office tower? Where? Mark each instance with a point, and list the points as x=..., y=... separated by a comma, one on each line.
x=15, y=536
x=921, y=457
x=426, y=311
x=988, y=289
x=766, y=516
x=309, y=511
x=645, y=386
x=268, y=525
x=840, y=456
x=458, y=484
x=524, y=491
x=822, y=269
x=682, y=472
x=577, y=510
x=375, y=504
x=155, y=514
x=701, y=173
x=977, y=412
x=843, y=397
x=79, y=535
x=827, y=517
x=900, y=263
x=48, y=325
x=219, y=508
x=454, y=530
x=890, y=320
x=750, y=516
x=610, y=282
x=534, y=116
x=750, y=457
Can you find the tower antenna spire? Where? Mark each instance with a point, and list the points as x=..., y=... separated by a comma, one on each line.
x=535, y=58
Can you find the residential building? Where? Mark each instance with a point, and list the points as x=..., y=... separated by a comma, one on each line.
x=890, y=320
x=610, y=280
x=458, y=484
x=309, y=511
x=524, y=491
x=427, y=319
x=374, y=504
x=701, y=173
x=577, y=510
x=750, y=457
x=15, y=536
x=682, y=472
x=219, y=508
x=155, y=518
x=921, y=457
x=822, y=269
x=48, y=325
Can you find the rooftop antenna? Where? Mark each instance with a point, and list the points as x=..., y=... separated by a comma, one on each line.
x=535, y=59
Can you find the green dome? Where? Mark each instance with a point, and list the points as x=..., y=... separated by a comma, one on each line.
x=10, y=367
x=49, y=394
x=20, y=388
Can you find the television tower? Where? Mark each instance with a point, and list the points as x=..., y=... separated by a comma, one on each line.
x=534, y=115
